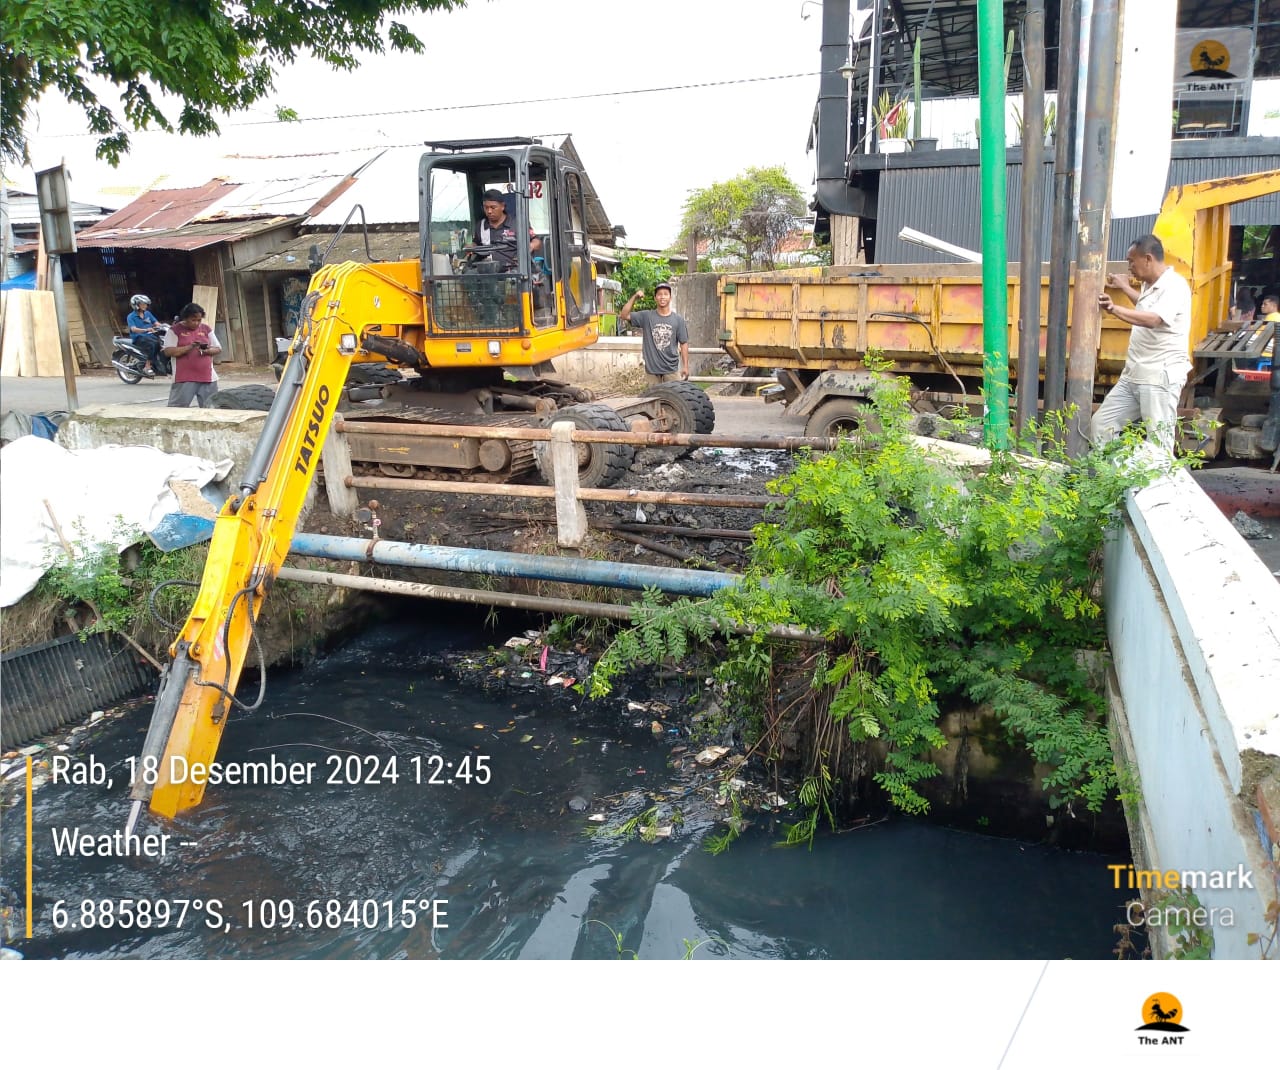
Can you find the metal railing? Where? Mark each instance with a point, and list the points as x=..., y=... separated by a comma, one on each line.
x=568, y=493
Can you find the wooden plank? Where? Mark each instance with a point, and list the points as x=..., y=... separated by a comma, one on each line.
x=27, y=350
x=42, y=263
x=232, y=316
x=97, y=303
x=75, y=313
x=46, y=347
x=18, y=356
x=207, y=298
x=4, y=360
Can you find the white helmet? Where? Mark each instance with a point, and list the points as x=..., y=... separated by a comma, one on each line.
x=139, y=299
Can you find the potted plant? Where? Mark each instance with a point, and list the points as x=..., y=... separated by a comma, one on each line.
x=892, y=120
x=1050, y=124
x=918, y=143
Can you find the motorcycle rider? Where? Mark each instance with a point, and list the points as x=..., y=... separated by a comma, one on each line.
x=145, y=331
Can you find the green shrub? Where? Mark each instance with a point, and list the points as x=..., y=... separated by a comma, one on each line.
x=931, y=584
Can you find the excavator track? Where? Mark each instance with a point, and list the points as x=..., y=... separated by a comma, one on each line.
x=461, y=458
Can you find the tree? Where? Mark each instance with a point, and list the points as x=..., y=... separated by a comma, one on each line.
x=640, y=271
x=214, y=55
x=746, y=217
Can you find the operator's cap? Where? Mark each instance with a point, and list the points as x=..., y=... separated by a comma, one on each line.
x=662, y=286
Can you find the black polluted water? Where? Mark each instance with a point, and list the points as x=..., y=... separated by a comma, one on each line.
x=386, y=809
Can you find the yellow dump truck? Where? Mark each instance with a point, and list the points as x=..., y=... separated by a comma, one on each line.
x=815, y=325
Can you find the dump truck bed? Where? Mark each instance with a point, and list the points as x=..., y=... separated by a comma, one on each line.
x=925, y=318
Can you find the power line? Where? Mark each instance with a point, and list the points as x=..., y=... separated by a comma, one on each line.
x=503, y=103
x=534, y=100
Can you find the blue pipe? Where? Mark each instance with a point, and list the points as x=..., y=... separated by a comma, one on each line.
x=525, y=566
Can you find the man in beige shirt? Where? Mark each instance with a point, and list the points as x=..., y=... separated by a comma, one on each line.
x=1157, y=364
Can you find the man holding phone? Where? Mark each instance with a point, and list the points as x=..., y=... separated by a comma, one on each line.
x=191, y=344
x=1157, y=363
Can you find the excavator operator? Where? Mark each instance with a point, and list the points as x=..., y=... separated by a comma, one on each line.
x=497, y=232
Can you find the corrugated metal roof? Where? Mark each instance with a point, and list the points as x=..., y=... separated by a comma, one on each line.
x=272, y=197
x=598, y=225
x=286, y=185
x=293, y=255
x=164, y=209
x=24, y=210
x=187, y=239
x=946, y=202
x=387, y=189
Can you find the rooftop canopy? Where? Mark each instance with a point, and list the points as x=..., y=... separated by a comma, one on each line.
x=948, y=33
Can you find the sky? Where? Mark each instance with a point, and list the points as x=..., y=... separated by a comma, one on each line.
x=644, y=151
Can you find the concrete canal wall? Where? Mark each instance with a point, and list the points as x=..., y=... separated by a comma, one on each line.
x=616, y=364
x=212, y=434
x=1193, y=618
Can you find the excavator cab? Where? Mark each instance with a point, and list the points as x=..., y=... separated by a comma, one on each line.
x=504, y=253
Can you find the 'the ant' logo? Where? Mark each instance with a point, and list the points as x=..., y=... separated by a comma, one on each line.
x=1210, y=58
x=1161, y=1014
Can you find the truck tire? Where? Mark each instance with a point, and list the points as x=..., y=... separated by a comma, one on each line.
x=688, y=403
x=839, y=416
x=257, y=398
x=600, y=464
x=374, y=374
x=251, y=398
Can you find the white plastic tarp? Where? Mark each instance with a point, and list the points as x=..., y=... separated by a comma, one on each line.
x=99, y=496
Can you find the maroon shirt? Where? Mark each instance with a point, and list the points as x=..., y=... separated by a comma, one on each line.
x=196, y=366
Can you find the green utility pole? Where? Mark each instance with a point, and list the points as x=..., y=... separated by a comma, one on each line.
x=995, y=261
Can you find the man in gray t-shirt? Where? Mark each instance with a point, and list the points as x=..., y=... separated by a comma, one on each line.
x=665, y=336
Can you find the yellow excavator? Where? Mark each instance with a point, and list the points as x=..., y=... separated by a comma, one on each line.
x=473, y=323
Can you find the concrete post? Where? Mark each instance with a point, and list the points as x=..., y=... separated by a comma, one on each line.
x=64, y=337
x=335, y=458
x=1095, y=192
x=571, y=517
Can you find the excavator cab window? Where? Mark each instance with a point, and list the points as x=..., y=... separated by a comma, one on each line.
x=580, y=284
x=529, y=274
x=488, y=239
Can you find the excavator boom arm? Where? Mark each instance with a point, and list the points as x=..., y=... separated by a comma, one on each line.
x=253, y=532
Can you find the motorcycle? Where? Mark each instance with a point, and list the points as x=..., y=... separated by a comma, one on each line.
x=130, y=362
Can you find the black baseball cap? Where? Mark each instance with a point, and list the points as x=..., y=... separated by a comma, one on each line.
x=662, y=286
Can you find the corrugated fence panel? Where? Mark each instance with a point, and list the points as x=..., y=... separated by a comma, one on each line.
x=46, y=686
x=946, y=202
